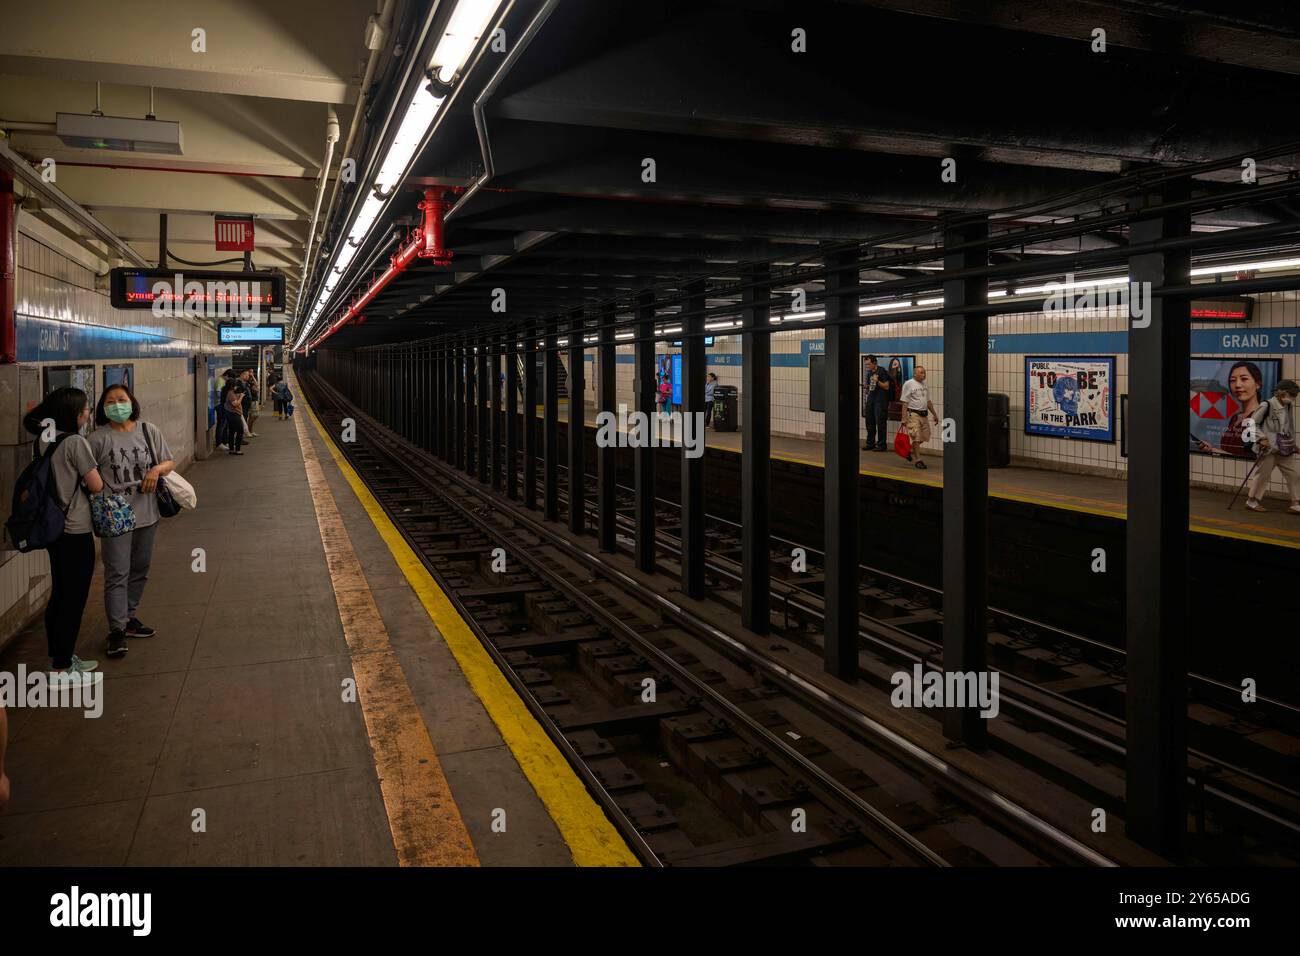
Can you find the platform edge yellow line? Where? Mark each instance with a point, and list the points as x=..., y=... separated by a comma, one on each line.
x=591, y=838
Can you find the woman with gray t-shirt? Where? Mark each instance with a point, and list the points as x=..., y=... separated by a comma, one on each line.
x=132, y=456
x=59, y=418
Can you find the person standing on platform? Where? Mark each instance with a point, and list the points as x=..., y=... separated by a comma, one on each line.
x=710, y=381
x=1276, y=421
x=72, y=554
x=875, y=405
x=132, y=456
x=250, y=402
x=279, y=392
x=223, y=424
x=916, y=404
x=235, y=418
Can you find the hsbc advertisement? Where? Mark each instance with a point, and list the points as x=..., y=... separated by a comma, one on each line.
x=1223, y=393
x=1070, y=397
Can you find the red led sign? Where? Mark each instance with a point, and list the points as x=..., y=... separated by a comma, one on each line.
x=1222, y=310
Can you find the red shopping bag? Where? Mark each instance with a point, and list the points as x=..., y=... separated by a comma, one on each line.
x=903, y=444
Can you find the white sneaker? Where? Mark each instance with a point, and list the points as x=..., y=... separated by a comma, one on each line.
x=75, y=678
x=1254, y=505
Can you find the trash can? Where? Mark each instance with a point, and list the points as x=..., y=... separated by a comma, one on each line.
x=999, y=430
x=725, y=412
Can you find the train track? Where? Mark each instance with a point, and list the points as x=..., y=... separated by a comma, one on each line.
x=699, y=749
x=1048, y=676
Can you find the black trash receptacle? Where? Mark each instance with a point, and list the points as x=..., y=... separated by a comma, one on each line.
x=999, y=430
x=726, y=398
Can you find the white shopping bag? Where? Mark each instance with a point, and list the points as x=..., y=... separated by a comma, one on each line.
x=182, y=491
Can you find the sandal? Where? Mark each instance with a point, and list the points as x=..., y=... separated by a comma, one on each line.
x=921, y=464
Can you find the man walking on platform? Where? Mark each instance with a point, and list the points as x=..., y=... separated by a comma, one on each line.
x=916, y=403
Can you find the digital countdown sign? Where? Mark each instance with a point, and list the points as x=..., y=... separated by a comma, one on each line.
x=232, y=333
x=199, y=292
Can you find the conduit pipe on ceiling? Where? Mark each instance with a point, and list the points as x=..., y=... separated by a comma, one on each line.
x=331, y=137
x=480, y=102
x=379, y=42
x=424, y=243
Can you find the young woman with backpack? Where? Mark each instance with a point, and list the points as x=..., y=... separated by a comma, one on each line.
x=60, y=418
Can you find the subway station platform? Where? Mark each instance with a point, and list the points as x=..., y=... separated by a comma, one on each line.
x=1062, y=490
x=300, y=704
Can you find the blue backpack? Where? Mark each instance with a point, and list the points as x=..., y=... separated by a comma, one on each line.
x=37, y=518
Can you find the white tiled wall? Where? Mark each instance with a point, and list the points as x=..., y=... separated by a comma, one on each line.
x=792, y=417
x=51, y=284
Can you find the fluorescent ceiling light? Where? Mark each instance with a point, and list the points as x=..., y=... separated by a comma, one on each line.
x=461, y=35
x=1244, y=266
x=419, y=116
x=1063, y=286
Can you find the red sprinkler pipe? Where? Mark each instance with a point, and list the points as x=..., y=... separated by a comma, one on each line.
x=424, y=243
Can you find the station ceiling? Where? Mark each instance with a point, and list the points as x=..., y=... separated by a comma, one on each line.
x=759, y=151
x=252, y=109
x=764, y=152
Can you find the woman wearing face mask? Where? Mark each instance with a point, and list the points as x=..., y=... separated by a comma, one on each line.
x=72, y=554
x=132, y=456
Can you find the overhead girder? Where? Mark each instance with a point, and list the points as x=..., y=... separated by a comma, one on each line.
x=982, y=88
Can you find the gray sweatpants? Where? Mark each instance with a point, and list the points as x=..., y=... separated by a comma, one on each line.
x=126, y=571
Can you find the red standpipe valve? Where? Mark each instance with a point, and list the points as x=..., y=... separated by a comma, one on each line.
x=434, y=207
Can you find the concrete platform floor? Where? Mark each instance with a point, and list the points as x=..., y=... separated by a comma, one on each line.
x=235, y=707
x=1094, y=494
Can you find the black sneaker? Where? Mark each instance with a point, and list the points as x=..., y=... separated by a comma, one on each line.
x=135, y=629
x=116, y=643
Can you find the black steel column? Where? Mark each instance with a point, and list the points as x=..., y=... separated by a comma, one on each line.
x=458, y=384
x=607, y=457
x=445, y=439
x=643, y=458
x=551, y=422
x=756, y=452
x=494, y=367
x=529, y=419
x=966, y=480
x=840, y=515
x=1157, y=537
x=577, y=426
x=482, y=398
x=512, y=414
x=693, y=371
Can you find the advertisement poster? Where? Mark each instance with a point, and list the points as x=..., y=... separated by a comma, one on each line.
x=900, y=368
x=1223, y=393
x=1070, y=397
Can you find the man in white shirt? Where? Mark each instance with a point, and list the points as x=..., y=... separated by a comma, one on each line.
x=916, y=405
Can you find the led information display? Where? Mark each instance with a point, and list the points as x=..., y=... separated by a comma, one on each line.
x=235, y=334
x=197, y=291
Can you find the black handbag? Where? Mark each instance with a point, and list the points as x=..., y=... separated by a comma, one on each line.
x=168, y=507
